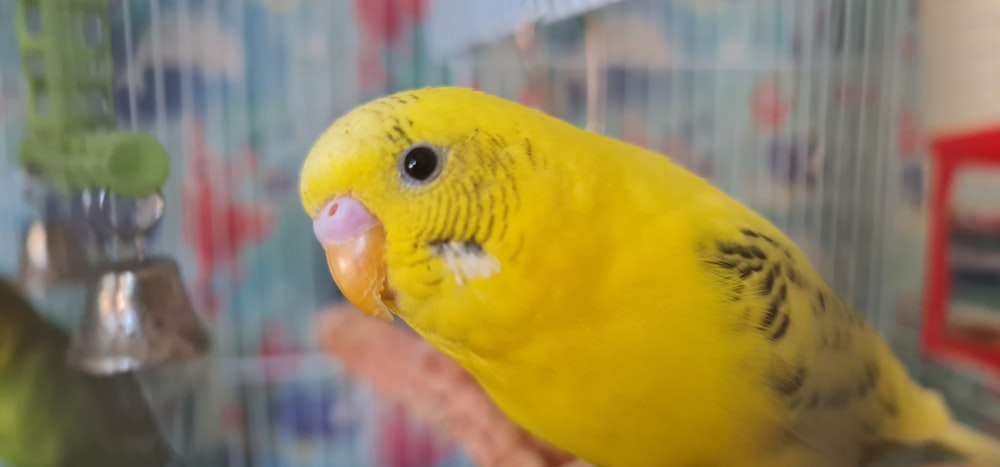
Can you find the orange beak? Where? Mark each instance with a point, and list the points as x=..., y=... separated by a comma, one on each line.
x=354, y=241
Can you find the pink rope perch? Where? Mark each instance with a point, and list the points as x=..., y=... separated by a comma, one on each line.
x=402, y=367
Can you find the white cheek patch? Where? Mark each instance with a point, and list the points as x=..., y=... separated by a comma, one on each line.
x=467, y=260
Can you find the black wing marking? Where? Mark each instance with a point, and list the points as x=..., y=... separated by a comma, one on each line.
x=823, y=364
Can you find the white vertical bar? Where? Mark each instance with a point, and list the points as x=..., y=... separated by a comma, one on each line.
x=789, y=77
x=719, y=78
x=133, y=111
x=822, y=139
x=845, y=63
x=696, y=71
x=757, y=165
x=595, y=53
x=881, y=151
x=187, y=218
x=737, y=151
x=653, y=98
x=805, y=76
x=779, y=185
x=156, y=37
x=8, y=235
x=885, y=307
x=861, y=152
x=296, y=85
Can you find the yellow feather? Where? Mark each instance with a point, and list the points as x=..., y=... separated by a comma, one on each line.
x=637, y=315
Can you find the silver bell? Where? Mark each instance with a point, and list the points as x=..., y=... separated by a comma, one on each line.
x=137, y=315
x=51, y=253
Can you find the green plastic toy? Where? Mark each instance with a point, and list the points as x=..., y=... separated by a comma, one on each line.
x=69, y=107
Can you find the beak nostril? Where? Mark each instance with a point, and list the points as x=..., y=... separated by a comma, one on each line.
x=342, y=219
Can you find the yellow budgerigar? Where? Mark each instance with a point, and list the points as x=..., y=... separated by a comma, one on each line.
x=608, y=300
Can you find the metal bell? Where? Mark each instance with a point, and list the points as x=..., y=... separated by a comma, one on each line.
x=137, y=315
x=52, y=253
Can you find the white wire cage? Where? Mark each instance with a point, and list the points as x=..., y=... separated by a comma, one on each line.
x=806, y=110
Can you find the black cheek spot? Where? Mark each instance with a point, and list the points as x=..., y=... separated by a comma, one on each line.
x=472, y=247
x=437, y=246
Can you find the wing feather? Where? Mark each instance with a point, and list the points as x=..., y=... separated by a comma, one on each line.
x=825, y=365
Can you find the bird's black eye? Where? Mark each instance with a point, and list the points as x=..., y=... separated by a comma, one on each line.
x=420, y=163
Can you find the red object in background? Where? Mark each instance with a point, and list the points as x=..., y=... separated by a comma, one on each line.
x=950, y=154
x=371, y=72
x=404, y=444
x=383, y=23
x=274, y=342
x=907, y=49
x=634, y=130
x=387, y=19
x=217, y=226
x=768, y=107
x=526, y=97
x=232, y=419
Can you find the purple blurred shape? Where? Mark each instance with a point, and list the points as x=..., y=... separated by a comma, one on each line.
x=308, y=414
x=793, y=161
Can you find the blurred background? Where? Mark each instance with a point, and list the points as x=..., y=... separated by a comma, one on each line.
x=864, y=128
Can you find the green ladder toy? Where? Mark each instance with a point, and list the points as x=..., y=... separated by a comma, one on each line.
x=70, y=139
